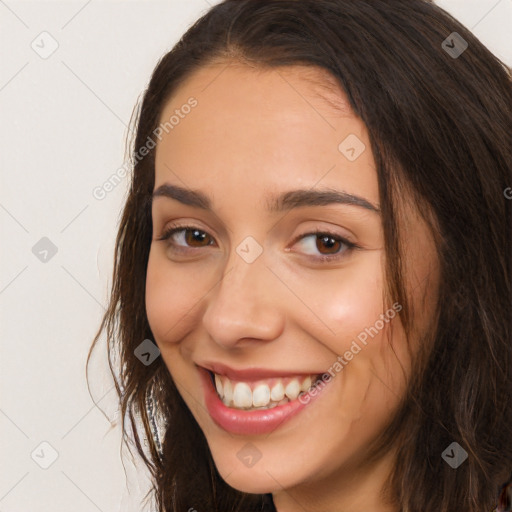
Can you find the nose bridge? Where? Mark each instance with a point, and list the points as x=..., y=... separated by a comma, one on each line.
x=243, y=304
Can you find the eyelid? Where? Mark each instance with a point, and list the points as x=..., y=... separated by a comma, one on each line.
x=327, y=231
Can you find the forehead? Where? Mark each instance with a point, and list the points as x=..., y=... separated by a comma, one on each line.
x=254, y=126
x=290, y=86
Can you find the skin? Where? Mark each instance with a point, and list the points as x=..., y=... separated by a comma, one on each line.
x=254, y=133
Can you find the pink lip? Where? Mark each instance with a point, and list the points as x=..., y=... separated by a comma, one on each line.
x=248, y=422
x=252, y=374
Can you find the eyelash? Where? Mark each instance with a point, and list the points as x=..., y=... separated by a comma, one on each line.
x=171, y=230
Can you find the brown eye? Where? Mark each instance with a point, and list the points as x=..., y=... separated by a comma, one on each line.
x=186, y=236
x=330, y=242
x=195, y=236
x=324, y=246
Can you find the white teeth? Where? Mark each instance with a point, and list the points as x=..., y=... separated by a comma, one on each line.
x=306, y=384
x=292, y=389
x=228, y=392
x=277, y=392
x=218, y=385
x=242, y=395
x=260, y=395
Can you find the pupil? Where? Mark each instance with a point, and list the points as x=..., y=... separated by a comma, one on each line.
x=329, y=241
x=194, y=235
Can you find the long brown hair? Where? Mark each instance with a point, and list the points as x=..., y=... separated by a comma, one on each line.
x=440, y=128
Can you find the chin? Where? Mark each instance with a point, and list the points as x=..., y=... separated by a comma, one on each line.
x=249, y=480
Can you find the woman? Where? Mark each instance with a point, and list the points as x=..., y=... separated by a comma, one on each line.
x=317, y=240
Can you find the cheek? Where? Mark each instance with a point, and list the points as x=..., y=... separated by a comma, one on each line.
x=172, y=299
x=344, y=301
x=353, y=323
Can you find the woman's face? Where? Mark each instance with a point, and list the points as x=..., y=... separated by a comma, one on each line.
x=245, y=292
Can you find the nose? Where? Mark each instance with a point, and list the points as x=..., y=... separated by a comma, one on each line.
x=245, y=306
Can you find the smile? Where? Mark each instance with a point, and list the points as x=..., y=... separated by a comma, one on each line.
x=263, y=394
x=258, y=404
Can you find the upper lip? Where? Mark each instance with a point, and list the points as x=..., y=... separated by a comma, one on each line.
x=248, y=374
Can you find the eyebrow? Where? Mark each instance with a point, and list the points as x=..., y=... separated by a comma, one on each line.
x=288, y=200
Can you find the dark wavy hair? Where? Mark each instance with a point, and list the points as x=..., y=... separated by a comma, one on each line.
x=440, y=130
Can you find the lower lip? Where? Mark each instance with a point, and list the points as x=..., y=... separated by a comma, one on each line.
x=242, y=422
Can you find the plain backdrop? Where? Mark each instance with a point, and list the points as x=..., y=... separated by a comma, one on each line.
x=64, y=118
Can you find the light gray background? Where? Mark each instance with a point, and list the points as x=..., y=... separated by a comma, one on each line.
x=63, y=127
